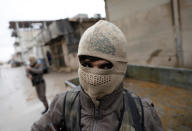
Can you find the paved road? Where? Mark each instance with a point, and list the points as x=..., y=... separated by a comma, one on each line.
x=19, y=106
x=174, y=105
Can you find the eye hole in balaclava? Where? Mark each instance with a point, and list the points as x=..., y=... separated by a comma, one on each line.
x=91, y=62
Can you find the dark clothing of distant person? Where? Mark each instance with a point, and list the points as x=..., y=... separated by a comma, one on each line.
x=49, y=57
x=38, y=82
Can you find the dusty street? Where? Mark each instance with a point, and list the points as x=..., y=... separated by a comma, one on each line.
x=19, y=106
x=174, y=105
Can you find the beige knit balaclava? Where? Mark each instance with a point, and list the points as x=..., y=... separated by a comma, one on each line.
x=103, y=40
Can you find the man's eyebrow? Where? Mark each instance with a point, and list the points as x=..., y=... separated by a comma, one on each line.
x=105, y=62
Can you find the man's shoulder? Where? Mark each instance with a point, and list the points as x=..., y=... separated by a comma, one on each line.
x=133, y=95
x=142, y=103
x=149, y=111
x=61, y=96
x=145, y=101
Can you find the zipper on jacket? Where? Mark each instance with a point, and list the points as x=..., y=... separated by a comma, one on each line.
x=96, y=117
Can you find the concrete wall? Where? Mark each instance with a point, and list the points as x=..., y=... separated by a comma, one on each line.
x=27, y=42
x=27, y=54
x=148, y=27
x=84, y=25
x=27, y=37
x=178, y=77
x=17, y=48
x=186, y=27
x=45, y=49
x=70, y=59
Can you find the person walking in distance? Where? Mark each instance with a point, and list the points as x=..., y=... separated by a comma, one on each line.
x=35, y=74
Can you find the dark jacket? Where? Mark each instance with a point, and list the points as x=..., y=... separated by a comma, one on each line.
x=36, y=72
x=110, y=110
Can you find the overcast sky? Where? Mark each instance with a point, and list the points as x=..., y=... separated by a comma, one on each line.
x=40, y=10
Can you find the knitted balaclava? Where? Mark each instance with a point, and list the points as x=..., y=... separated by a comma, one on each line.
x=103, y=40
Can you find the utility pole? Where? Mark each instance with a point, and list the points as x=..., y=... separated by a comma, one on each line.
x=20, y=41
x=178, y=37
x=106, y=10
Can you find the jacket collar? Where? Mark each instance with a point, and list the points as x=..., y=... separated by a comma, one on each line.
x=104, y=103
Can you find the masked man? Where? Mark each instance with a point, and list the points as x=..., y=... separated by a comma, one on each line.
x=101, y=103
x=35, y=74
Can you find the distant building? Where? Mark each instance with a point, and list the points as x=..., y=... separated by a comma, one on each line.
x=52, y=42
x=25, y=45
x=80, y=17
x=159, y=32
x=61, y=39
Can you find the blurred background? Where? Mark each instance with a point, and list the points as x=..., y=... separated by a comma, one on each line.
x=159, y=48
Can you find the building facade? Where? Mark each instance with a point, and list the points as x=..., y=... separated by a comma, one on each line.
x=54, y=43
x=25, y=43
x=61, y=39
x=158, y=32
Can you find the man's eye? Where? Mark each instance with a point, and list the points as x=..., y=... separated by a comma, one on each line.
x=87, y=64
x=106, y=66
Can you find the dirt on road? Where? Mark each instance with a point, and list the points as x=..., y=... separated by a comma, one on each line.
x=20, y=106
x=173, y=104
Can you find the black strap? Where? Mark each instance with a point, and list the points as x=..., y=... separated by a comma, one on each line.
x=70, y=100
x=61, y=126
x=134, y=112
x=142, y=114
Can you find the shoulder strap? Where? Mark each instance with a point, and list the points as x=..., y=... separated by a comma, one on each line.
x=134, y=106
x=141, y=114
x=71, y=112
